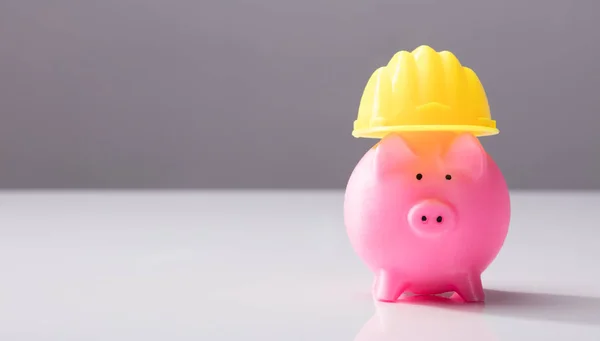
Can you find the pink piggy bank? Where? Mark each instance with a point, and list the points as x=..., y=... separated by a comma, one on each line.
x=428, y=213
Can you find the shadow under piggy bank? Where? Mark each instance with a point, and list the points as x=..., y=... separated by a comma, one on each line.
x=420, y=318
x=448, y=318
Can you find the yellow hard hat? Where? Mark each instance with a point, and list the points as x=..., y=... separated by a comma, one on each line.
x=423, y=90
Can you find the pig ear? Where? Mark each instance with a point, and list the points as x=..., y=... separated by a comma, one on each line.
x=392, y=153
x=467, y=154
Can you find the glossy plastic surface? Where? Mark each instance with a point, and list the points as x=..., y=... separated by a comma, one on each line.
x=423, y=90
x=427, y=212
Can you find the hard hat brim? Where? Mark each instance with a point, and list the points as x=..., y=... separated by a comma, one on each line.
x=381, y=132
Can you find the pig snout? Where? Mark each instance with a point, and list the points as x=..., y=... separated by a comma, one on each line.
x=431, y=217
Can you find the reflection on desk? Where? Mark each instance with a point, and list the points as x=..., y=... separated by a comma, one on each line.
x=426, y=318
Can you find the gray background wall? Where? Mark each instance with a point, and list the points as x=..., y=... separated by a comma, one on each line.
x=263, y=93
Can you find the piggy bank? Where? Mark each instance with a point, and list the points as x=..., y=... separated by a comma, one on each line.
x=427, y=212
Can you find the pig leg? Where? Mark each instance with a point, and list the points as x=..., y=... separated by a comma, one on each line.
x=388, y=286
x=470, y=288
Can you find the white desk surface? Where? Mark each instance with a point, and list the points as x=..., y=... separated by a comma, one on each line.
x=271, y=266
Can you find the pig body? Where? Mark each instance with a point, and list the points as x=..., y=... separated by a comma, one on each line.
x=427, y=213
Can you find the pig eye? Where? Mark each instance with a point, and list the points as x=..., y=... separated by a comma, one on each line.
x=419, y=176
x=448, y=177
